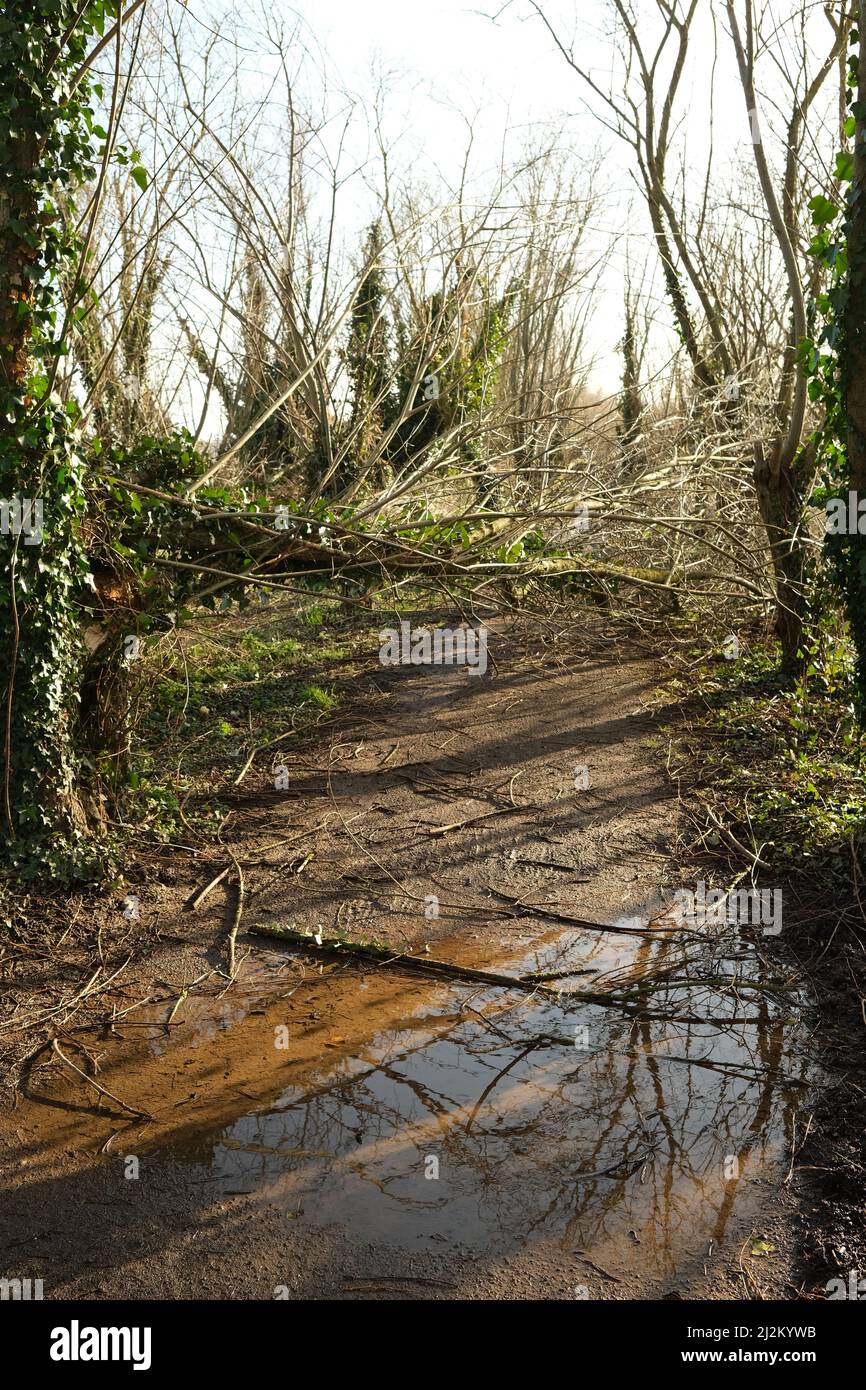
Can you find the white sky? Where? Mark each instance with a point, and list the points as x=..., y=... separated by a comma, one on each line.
x=443, y=63
x=447, y=55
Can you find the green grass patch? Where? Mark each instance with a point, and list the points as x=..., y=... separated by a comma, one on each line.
x=226, y=687
x=785, y=761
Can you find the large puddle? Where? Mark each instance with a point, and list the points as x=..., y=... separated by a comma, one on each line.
x=436, y=1115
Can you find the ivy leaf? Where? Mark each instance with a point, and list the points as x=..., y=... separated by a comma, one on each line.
x=823, y=210
x=845, y=166
x=139, y=173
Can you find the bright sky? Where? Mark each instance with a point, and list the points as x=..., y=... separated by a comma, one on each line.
x=449, y=47
x=444, y=64
x=444, y=55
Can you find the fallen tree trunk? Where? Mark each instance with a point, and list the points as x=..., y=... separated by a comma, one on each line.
x=618, y=997
x=384, y=955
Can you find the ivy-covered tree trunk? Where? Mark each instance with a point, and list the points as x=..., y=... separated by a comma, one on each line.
x=853, y=371
x=44, y=145
x=855, y=327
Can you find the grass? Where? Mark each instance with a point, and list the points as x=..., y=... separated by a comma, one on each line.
x=785, y=761
x=227, y=686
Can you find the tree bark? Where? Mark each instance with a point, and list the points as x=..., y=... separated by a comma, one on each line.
x=778, y=494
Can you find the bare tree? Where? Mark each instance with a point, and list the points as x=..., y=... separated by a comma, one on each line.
x=722, y=349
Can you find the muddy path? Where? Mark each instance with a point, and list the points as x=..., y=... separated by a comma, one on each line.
x=349, y=1130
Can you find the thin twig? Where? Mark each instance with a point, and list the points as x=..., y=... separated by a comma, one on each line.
x=132, y=1109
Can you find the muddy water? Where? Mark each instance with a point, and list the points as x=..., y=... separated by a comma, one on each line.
x=439, y=1116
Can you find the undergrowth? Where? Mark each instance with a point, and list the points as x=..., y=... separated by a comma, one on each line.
x=210, y=698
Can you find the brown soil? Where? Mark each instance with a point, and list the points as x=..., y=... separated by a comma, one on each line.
x=293, y=1112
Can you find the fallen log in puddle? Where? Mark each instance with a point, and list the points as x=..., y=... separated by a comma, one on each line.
x=619, y=998
x=428, y=965
x=384, y=955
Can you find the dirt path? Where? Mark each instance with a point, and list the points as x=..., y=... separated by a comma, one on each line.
x=339, y=1130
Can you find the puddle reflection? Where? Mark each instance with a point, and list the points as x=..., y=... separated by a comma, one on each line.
x=483, y=1126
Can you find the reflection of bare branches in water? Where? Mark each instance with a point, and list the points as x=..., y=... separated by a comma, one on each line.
x=532, y=1134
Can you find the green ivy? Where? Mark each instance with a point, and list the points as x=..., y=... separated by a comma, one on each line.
x=825, y=361
x=48, y=145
